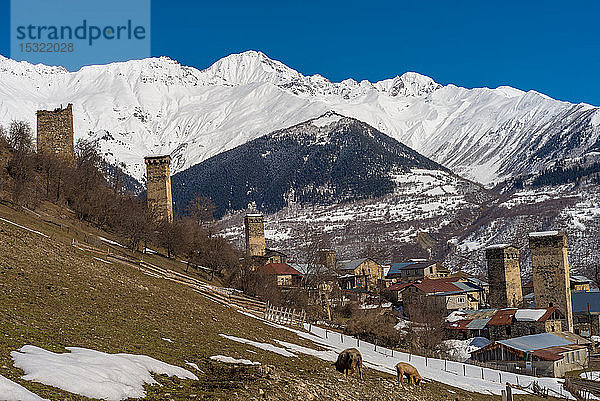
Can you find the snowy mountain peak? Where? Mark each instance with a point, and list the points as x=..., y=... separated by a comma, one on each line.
x=248, y=67
x=23, y=68
x=157, y=106
x=408, y=84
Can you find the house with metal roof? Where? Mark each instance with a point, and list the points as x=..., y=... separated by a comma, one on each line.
x=586, y=312
x=580, y=283
x=415, y=269
x=544, y=354
x=499, y=324
x=442, y=295
x=360, y=274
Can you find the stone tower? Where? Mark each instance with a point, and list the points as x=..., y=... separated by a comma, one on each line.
x=255, y=234
x=327, y=258
x=504, y=276
x=55, y=132
x=551, y=283
x=158, y=181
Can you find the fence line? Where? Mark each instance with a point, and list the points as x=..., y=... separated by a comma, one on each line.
x=284, y=315
x=465, y=369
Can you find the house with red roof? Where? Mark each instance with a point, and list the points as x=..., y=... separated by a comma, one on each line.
x=283, y=274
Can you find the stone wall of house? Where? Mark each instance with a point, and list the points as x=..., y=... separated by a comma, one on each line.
x=327, y=258
x=254, y=229
x=551, y=283
x=518, y=329
x=158, y=181
x=55, y=132
x=504, y=276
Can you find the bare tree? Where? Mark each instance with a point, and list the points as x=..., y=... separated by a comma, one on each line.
x=21, y=166
x=201, y=209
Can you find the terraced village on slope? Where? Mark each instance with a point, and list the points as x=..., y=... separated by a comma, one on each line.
x=318, y=187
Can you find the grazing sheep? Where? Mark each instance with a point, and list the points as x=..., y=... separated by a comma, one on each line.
x=408, y=370
x=348, y=360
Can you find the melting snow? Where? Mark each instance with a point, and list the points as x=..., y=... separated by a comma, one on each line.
x=109, y=241
x=529, y=315
x=228, y=359
x=264, y=346
x=11, y=391
x=543, y=233
x=461, y=349
x=92, y=373
x=23, y=227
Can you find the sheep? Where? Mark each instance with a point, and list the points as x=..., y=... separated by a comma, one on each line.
x=405, y=369
x=348, y=360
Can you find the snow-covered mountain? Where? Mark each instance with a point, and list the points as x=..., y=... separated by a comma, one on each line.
x=156, y=106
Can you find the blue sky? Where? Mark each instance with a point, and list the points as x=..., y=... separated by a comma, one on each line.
x=549, y=46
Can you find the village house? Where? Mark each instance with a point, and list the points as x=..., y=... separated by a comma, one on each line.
x=415, y=269
x=362, y=274
x=580, y=283
x=499, y=324
x=274, y=256
x=586, y=313
x=443, y=295
x=283, y=275
x=545, y=354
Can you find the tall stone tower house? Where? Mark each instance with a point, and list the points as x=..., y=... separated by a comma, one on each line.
x=327, y=258
x=158, y=181
x=504, y=276
x=55, y=132
x=551, y=282
x=255, y=234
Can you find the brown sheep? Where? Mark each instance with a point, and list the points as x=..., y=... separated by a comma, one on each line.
x=348, y=360
x=408, y=370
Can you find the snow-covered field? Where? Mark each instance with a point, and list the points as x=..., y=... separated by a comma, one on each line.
x=461, y=349
x=91, y=373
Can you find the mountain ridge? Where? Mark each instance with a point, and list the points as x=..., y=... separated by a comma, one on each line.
x=157, y=106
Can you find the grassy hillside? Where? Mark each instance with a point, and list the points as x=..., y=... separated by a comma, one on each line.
x=54, y=295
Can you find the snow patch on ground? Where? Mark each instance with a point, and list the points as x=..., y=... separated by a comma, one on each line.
x=94, y=374
x=529, y=315
x=228, y=359
x=11, y=391
x=264, y=346
x=109, y=241
x=461, y=349
x=23, y=227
